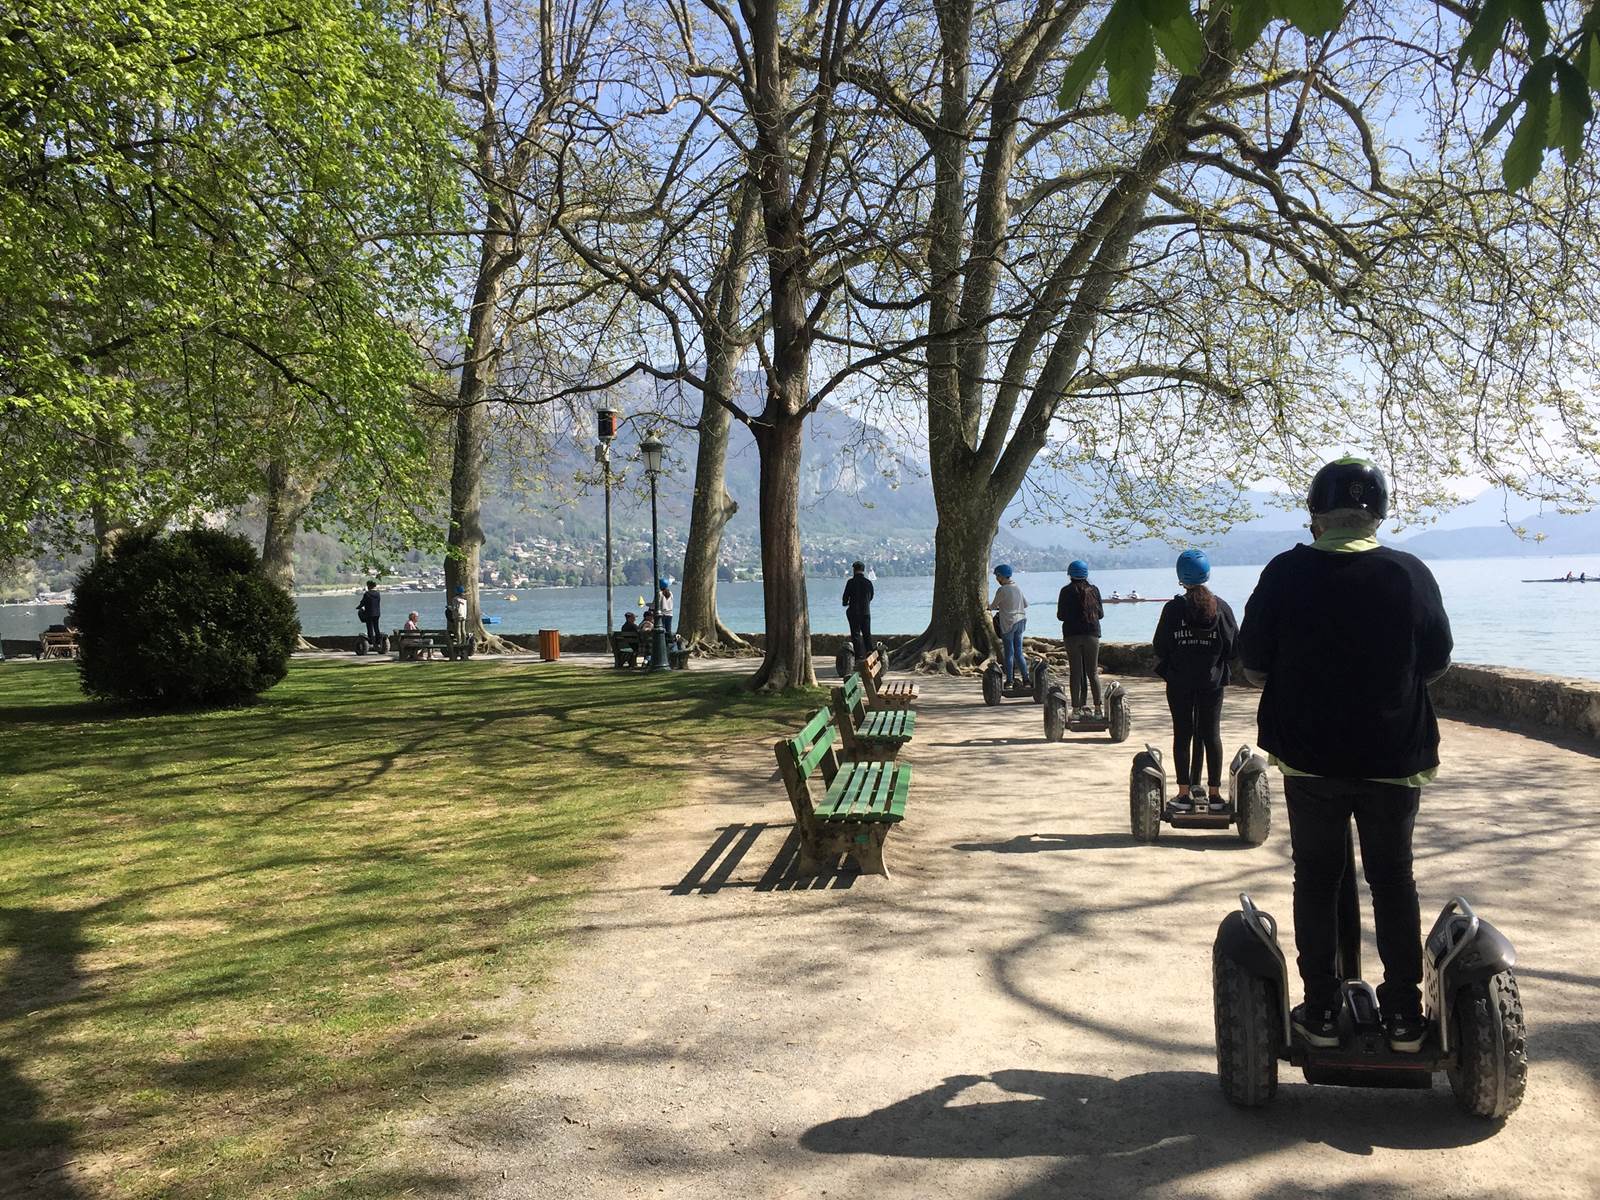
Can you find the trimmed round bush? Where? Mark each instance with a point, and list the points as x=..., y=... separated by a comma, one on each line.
x=182, y=618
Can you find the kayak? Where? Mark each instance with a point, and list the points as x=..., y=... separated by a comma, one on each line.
x=1135, y=600
x=1596, y=579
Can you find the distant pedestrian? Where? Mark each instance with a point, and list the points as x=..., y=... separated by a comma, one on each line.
x=858, y=609
x=456, y=615
x=1079, y=608
x=1194, y=645
x=369, y=609
x=664, y=606
x=1010, y=608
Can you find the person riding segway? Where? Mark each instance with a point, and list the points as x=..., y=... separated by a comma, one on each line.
x=1194, y=645
x=1080, y=609
x=1001, y=679
x=1344, y=636
x=857, y=601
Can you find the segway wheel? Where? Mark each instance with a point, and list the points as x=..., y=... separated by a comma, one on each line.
x=1055, y=714
x=1041, y=680
x=361, y=647
x=381, y=646
x=1121, y=723
x=471, y=647
x=845, y=663
x=1491, y=1047
x=1144, y=806
x=993, y=686
x=1254, y=818
x=1247, y=1015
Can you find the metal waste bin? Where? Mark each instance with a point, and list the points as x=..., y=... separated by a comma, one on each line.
x=549, y=644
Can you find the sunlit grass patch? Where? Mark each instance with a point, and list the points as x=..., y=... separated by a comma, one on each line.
x=240, y=945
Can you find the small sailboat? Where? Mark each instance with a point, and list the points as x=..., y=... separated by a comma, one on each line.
x=511, y=597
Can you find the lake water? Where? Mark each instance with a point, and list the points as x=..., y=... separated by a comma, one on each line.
x=1553, y=628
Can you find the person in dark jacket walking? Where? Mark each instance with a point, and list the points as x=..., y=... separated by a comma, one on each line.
x=1194, y=645
x=858, y=609
x=1079, y=609
x=1344, y=636
x=370, y=609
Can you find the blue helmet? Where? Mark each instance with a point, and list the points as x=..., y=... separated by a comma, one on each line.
x=663, y=583
x=460, y=591
x=1003, y=570
x=1077, y=569
x=1193, y=567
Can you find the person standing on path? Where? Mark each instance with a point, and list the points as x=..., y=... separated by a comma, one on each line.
x=1194, y=645
x=664, y=607
x=369, y=610
x=1344, y=636
x=1079, y=609
x=858, y=609
x=1010, y=607
x=455, y=615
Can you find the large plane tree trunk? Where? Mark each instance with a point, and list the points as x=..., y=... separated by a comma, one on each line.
x=699, y=623
x=465, y=537
x=960, y=633
x=286, y=501
x=787, y=660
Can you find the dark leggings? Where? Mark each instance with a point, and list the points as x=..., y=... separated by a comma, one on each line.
x=1196, y=730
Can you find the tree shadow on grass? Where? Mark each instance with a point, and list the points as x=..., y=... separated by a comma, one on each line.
x=45, y=946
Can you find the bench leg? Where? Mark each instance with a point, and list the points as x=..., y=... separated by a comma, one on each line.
x=868, y=850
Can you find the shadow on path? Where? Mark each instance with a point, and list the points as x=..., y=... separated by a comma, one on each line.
x=1139, y=1135
x=1035, y=843
x=714, y=870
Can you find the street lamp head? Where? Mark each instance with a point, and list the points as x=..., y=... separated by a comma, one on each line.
x=651, y=448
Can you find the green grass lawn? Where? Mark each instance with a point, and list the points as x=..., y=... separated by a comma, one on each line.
x=240, y=948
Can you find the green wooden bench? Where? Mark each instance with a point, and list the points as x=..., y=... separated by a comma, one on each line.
x=412, y=644
x=869, y=734
x=882, y=693
x=860, y=800
x=625, y=648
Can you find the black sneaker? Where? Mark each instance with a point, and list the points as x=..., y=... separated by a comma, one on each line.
x=1406, y=1032
x=1319, y=1027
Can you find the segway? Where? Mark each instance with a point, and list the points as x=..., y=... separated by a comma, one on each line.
x=1248, y=806
x=365, y=646
x=1475, y=1034
x=846, y=663
x=1059, y=719
x=996, y=687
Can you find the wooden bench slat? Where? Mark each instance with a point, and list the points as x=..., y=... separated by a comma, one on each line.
x=868, y=792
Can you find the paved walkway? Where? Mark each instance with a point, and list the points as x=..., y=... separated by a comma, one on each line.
x=1024, y=1009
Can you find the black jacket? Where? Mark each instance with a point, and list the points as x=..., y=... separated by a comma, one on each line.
x=1071, y=615
x=1348, y=643
x=371, y=605
x=858, y=594
x=1194, y=656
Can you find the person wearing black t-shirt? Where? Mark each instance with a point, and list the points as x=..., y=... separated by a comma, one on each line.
x=858, y=609
x=1194, y=645
x=1344, y=636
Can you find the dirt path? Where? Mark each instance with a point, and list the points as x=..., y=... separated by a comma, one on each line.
x=1024, y=1009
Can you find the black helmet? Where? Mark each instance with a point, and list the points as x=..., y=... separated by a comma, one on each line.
x=1349, y=483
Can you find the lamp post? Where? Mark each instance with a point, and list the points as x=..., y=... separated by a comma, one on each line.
x=651, y=449
x=607, y=426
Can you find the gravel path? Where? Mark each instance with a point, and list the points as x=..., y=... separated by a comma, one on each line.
x=1024, y=1009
